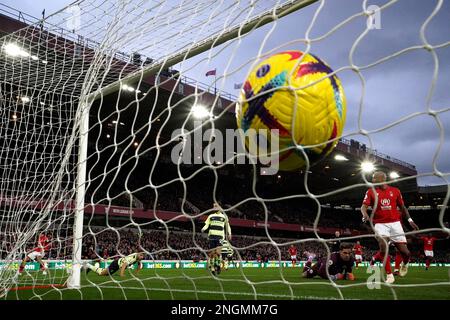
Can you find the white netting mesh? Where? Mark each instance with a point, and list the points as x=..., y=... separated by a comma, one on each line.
x=137, y=198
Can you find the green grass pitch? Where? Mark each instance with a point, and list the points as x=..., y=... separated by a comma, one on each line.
x=236, y=284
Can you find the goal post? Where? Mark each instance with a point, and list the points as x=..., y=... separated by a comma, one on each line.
x=278, y=11
x=74, y=279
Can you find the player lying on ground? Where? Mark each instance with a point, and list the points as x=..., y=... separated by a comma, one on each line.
x=339, y=265
x=118, y=264
x=387, y=222
x=37, y=253
x=218, y=226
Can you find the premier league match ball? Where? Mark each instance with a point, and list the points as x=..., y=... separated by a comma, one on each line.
x=297, y=94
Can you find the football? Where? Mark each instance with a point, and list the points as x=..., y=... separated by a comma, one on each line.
x=297, y=94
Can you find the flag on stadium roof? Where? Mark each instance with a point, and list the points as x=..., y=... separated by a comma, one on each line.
x=211, y=73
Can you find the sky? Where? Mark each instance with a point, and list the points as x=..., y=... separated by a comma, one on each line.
x=393, y=90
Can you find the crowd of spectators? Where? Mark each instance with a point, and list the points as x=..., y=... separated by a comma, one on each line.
x=176, y=245
x=161, y=245
x=106, y=243
x=235, y=194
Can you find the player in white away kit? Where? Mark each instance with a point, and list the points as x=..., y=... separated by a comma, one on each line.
x=386, y=220
x=37, y=253
x=118, y=264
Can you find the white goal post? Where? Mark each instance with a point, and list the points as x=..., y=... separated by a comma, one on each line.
x=279, y=10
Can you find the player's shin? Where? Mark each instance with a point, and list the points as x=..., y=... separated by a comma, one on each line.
x=42, y=265
x=406, y=257
x=95, y=268
x=398, y=260
x=218, y=261
x=387, y=265
x=211, y=261
x=99, y=271
x=377, y=257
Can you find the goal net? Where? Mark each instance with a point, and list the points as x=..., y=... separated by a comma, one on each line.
x=114, y=141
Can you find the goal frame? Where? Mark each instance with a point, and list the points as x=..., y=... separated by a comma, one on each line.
x=74, y=282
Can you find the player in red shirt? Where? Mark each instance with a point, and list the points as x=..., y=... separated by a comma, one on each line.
x=37, y=253
x=293, y=253
x=387, y=222
x=357, y=249
x=428, y=244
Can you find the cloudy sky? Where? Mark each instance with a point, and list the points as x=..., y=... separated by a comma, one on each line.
x=394, y=89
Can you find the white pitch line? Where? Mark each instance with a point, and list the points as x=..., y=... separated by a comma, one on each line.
x=231, y=293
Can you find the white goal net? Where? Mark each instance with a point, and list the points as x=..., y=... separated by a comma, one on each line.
x=111, y=112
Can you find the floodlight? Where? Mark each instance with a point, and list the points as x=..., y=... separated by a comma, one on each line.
x=340, y=157
x=12, y=49
x=199, y=111
x=394, y=175
x=367, y=166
